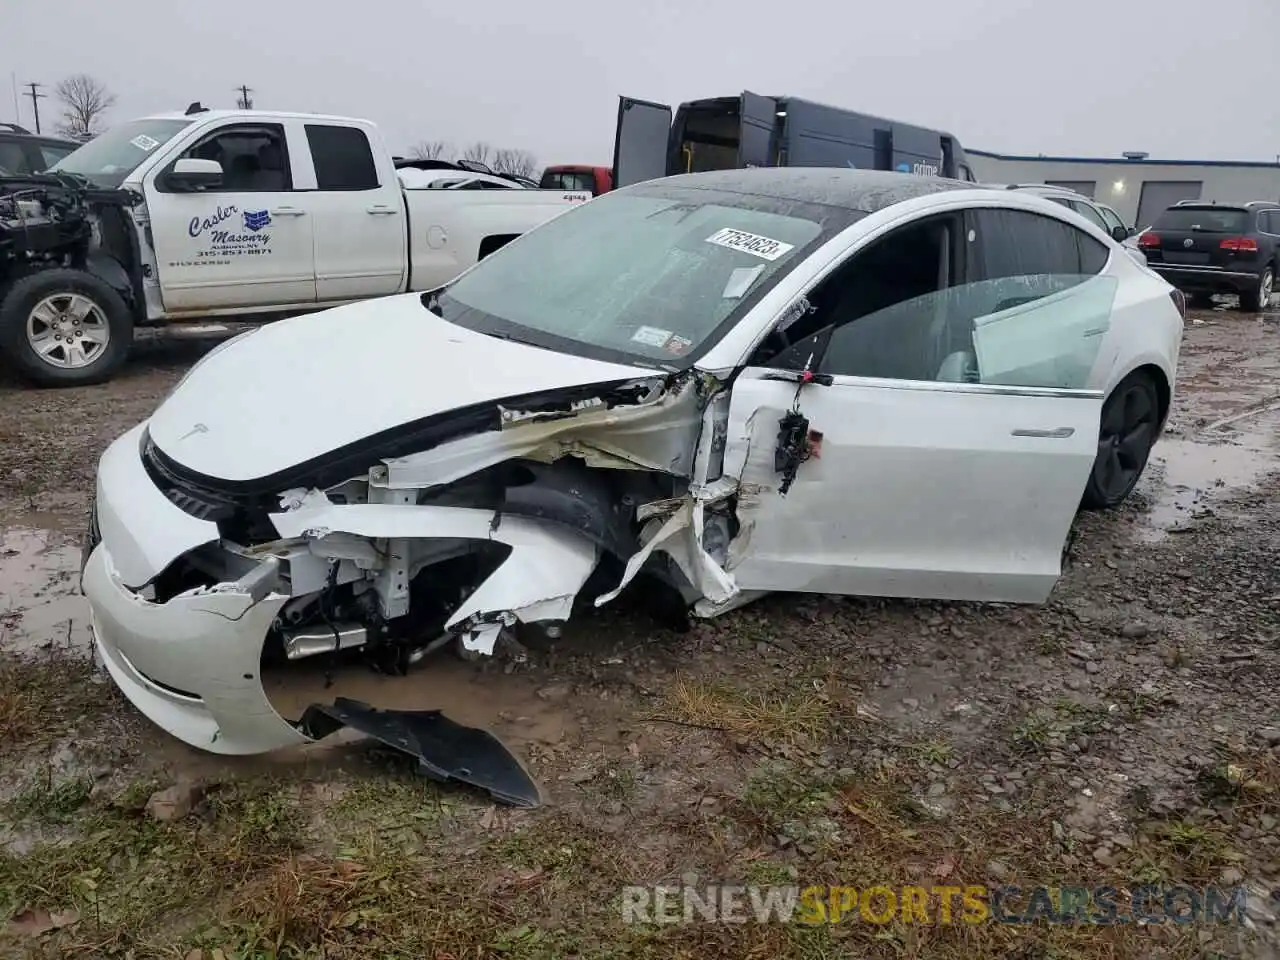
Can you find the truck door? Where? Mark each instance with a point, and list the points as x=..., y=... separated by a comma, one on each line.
x=361, y=228
x=640, y=143
x=242, y=243
x=758, y=117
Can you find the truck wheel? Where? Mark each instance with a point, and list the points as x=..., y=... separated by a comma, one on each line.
x=64, y=328
x=1258, y=297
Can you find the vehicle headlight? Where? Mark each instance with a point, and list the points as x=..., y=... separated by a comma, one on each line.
x=205, y=359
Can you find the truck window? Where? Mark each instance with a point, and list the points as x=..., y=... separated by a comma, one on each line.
x=13, y=159
x=568, y=180
x=254, y=158
x=343, y=158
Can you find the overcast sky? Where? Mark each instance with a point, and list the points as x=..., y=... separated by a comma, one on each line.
x=1177, y=78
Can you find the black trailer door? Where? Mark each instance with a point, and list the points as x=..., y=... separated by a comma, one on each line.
x=640, y=143
x=757, y=118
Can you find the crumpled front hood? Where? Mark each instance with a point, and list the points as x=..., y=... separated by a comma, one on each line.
x=300, y=388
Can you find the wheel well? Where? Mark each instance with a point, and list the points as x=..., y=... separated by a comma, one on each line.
x=1163, y=390
x=489, y=244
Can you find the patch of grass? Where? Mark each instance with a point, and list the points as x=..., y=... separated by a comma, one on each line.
x=50, y=800
x=1181, y=851
x=130, y=877
x=784, y=716
x=1031, y=733
x=933, y=752
x=40, y=700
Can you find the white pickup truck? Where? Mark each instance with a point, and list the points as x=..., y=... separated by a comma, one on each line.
x=232, y=213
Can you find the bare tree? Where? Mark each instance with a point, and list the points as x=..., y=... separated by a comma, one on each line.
x=84, y=101
x=432, y=150
x=520, y=163
x=478, y=152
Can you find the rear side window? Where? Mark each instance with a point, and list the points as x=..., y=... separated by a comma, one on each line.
x=1089, y=213
x=1014, y=243
x=1112, y=218
x=1205, y=219
x=13, y=159
x=343, y=158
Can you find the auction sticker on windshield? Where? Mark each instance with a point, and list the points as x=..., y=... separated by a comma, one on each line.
x=145, y=143
x=754, y=244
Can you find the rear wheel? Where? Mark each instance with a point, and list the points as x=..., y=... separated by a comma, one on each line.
x=1126, y=435
x=1257, y=298
x=65, y=328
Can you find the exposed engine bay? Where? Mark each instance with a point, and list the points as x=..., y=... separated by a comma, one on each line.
x=479, y=537
x=57, y=220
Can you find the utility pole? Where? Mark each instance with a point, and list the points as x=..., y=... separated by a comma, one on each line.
x=244, y=103
x=36, y=97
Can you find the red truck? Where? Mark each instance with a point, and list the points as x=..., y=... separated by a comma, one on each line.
x=571, y=176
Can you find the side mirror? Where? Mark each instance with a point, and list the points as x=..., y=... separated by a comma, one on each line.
x=190, y=173
x=1121, y=233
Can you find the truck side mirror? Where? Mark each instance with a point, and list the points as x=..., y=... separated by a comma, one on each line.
x=191, y=173
x=1121, y=233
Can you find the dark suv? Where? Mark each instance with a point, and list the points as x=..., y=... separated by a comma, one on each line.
x=1207, y=248
x=23, y=153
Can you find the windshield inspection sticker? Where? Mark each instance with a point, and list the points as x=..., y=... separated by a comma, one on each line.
x=677, y=345
x=145, y=143
x=651, y=336
x=751, y=243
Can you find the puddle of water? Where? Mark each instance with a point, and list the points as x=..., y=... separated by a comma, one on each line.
x=506, y=704
x=1187, y=474
x=40, y=600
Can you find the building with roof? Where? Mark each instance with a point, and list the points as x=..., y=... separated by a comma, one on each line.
x=1136, y=186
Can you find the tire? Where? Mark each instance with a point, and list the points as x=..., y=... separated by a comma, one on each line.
x=1126, y=434
x=52, y=303
x=1257, y=297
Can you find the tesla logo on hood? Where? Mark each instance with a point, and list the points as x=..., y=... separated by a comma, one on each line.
x=198, y=428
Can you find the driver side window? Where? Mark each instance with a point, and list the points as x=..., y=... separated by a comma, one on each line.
x=254, y=159
x=998, y=296
x=875, y=315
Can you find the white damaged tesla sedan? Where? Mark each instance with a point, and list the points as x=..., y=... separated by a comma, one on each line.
x=739, y=382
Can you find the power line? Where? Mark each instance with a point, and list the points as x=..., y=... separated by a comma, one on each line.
x=36, y=97
x=244, y=103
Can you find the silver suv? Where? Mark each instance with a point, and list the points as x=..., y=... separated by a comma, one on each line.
x=1106, y=218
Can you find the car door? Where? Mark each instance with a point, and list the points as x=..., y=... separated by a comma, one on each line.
x=640, y=141
x=757, y=118
x=361, y=230
x=943, y=445
x=245, y=243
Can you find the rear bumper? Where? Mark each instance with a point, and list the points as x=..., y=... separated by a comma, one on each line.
x=1188, y=277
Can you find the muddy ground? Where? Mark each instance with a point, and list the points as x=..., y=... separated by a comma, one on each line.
x=1126, y=733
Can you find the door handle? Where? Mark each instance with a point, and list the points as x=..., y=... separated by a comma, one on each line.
x=1057, y=433
x=381, y=210
x=288, y=212
x=801, y=377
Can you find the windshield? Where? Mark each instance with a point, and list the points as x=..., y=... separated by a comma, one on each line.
x=110, y=157
x=652, y=275
x=1209, y=219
